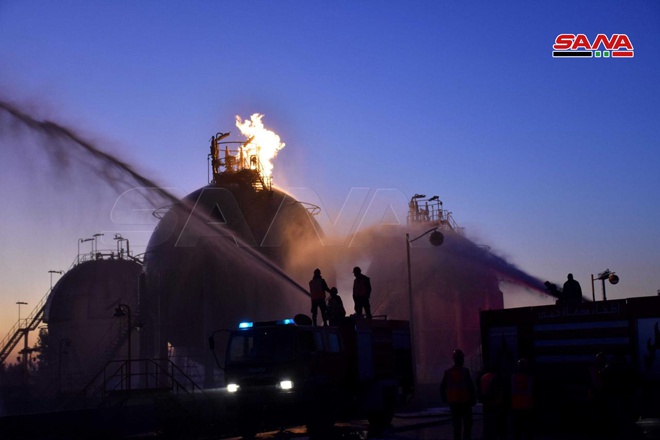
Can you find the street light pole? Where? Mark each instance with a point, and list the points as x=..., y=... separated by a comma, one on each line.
x=410, y=309
x=96, y=243
x=436, y=239
x=606, y=275
x=51, y=272
x=83, y=240
x=20, y=303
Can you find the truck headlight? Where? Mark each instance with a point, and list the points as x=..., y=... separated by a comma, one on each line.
x=232, y=387
x=286, y=384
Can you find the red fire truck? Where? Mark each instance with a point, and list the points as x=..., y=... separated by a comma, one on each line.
x=288, y=372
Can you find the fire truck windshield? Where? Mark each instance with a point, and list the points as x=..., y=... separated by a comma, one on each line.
x=260, y=345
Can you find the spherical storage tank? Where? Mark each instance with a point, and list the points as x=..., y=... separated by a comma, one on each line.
x=218, y=257
x=80, y=312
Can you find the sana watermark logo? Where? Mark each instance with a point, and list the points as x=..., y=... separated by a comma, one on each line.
x=580, y=46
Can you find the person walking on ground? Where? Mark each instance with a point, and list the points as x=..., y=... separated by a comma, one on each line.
x=522, y=401
x=361, y=292
x=457, y=390
x=335, y=310
x=572, y=292
x=492, y=392
x=317, y=289
x=596, y=397
x=620, y=390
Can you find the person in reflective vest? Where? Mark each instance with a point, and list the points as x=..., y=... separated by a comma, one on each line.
x=317, y=289
x=457, y=390
x=522, y=401
x=595, y=395
x=492, y=392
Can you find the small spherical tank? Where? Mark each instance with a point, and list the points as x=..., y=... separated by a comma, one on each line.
x=80, y=312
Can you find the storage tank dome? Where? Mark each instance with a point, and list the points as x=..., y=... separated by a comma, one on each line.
x=218, y=257
x=79, y=313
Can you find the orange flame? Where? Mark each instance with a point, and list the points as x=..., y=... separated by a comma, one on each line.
x=265, y=143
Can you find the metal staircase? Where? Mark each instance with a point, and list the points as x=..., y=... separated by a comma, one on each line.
x=22, y=328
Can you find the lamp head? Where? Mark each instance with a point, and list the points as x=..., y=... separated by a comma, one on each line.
x=437, y=238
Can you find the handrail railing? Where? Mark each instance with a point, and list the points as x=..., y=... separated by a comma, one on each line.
x=431, y=211
x=235, y=161
x=10, y=341
x=146, y=375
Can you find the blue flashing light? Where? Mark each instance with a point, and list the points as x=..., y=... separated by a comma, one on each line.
x=246, y=324
x=287, y=321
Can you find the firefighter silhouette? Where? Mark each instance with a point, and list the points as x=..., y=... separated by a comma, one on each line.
x=335, y=309
x=361, y=293
x=457, y=390
x=317, y=289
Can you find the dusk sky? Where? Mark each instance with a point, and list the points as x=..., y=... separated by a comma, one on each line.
x=552, y=162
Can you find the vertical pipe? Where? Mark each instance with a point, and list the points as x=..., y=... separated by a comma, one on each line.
x=410, y=306
x=26, y=354
x=129, y=348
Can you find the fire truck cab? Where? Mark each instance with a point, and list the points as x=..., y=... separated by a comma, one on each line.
x=287, y=372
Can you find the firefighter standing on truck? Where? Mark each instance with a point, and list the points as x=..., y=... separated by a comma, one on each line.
x=361, y=292
x=335, y=310
x=317, y=289
x=457, y=390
